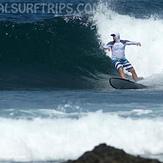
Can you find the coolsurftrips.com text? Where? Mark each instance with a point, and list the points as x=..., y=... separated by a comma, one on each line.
x=47, y=8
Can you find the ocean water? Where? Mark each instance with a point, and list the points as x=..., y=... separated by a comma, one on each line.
x=55, y=98
x=62, y=124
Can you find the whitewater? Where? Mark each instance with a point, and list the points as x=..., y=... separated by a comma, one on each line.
x=65, y=138
x=60, y=125
x=147, y=59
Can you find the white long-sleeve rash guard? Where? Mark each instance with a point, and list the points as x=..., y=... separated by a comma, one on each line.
x=118, y=48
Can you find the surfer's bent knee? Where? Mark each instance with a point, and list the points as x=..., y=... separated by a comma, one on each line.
x=131, y=70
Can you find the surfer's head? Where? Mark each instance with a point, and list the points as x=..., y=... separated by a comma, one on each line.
x=116, y=36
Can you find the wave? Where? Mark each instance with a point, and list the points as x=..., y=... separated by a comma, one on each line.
x=65, y=51
x=60, y=52
x=146, y=59
x=31, y=140
x=138, y=9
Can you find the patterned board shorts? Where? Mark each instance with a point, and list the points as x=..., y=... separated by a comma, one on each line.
x=124, y=63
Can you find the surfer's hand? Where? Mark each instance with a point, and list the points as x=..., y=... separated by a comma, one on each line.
x=138, y=44
x=108, y=49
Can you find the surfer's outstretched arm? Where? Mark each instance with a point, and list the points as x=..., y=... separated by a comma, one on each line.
x=133, y=43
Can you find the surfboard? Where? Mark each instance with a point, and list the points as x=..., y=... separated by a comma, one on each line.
x=119, y=83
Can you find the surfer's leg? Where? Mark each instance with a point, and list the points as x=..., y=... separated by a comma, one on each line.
x=119, y=66
x=121, y=73
x=127, y=65
x=134, y=74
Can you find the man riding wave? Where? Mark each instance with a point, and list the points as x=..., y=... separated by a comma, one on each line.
x=117, y=47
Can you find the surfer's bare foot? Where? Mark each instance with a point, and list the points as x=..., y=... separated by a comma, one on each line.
x=139, y=78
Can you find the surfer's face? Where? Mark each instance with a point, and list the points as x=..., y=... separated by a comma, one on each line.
x=114, y=38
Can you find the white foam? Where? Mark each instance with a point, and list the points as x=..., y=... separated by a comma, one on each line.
x=146, y=59
x=135, y=112
x=155, y=81
x=66, y=138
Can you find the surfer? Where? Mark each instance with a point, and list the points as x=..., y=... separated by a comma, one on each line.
x=117, y=47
